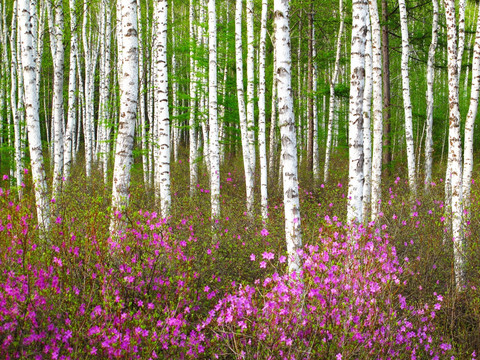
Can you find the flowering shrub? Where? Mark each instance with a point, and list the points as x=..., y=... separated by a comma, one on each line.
x=344, y=303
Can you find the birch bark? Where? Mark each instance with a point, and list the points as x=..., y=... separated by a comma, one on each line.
x=367, y=137
x=332, y=116
x=355, y=118
x=454, y=151
x=430, y=99
x=470, y=123
x=128, y=81
x=287, y=130
x=407, y=104
x=161, y=106
x=32, y=115
x=261, y=113
x=376, y=191
x=249, y=180
x=212, y=111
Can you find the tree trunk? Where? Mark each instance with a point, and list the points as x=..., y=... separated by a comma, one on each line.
x=455, y=150
x=128, y=81
x=32, y=111
x=407, y=104
x=250, y=86
x=387, y=153
x=430, y=83
x=193, y=93
x=212, y=111
x=377, y=110
x=332, y=115
x=287, y=129
x=355, y=118
x=470, y=123
x=367, y=137
x=261, y=113
x=247, y=163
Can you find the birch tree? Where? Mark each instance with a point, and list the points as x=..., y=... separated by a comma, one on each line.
x=32, y=107
x=72, y=90
x=162, y=118
x=261, y=112
x=250, y=85
x=212, y=111
x=430, y=99
x=247, y=163
x=377, y=110
x=470, y=123
x=58, y=64
x=367, y=138
x=332, y=112
x=454, y=151
x=407, y=104
x=355, y=118
x=286, y=119
x=128, y=81
x=193, y=94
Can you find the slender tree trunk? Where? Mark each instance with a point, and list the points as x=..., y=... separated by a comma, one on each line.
x=311, y=98
x=287, y=128
x=430, y=83
x=13, y=102
x=128, y=81
x=387, y=153
x=316, y=154
x=461, y=36
x=250, y=86
x=367, y=137
x=377, y=110
x=470, y=123
x=455, y=151
x=72, y=96
x=355, y=118
x=247, y=163
x=407, y=103
x=212, y=111
x=193, y=94
x=273, y=121
x=332, y=115
x=161, y=106
x=261, y=113
x=58, y=98
x=32, y=108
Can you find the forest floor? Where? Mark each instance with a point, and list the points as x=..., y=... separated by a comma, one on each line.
x=178, y=289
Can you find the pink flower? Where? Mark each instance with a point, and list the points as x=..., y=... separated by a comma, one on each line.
x=264, y=232
x=252, y=257
x=268, y=255
x=263, y=264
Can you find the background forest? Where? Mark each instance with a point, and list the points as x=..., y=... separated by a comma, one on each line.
x=239, y=179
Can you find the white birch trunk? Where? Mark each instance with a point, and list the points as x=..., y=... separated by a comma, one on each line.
x=212, y=111
x=470, y=123
x=128, y=81
x=273, y=120
x=250, y=85
x=430, y=98
x=58, y=98
x=193, y=93
x=376, y=190
x=355, y=118
x=454, y=150
x=32, y=111
x=13, y=102
x=249, y=180
x=461, y=36
x=367, y=137
x=407, y=104
x=316, y=154
x=287, y=129
x=261, y=113
x=72, y=96
x=332, y=115
x=161, y=106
